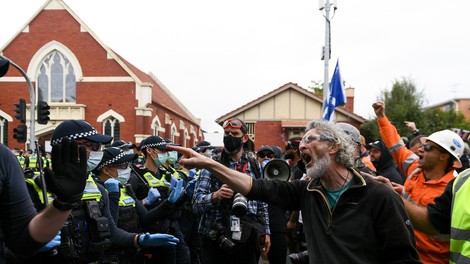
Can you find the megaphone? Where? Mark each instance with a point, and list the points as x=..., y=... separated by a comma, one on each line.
x=277, y=169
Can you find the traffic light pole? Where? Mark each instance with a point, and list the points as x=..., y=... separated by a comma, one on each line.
x=32, y=97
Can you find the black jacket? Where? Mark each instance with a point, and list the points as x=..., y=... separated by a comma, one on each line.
x=369, y=223
x=386, y=166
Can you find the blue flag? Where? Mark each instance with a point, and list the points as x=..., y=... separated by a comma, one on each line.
x=337, y=96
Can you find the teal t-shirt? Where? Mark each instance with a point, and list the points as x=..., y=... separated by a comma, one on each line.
x=333, y=196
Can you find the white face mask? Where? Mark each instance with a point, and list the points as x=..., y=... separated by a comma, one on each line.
x=123, y=175
x=94, y=159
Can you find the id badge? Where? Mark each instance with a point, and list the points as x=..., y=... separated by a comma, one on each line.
x=235, y=224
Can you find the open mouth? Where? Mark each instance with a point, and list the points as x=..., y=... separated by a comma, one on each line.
x=306, y=159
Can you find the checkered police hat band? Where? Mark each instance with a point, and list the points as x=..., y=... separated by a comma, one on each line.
x=154, y=145
x=76, y=136
x=111, y=161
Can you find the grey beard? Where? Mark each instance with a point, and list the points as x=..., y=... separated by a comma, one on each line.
x=319, y=167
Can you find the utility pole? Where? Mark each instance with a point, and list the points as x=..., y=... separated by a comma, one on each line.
x=325, y=5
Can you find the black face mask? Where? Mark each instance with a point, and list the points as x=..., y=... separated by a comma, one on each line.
x=232, y=144
x=289, y=156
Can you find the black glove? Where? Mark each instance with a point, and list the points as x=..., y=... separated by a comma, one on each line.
x=68, y=176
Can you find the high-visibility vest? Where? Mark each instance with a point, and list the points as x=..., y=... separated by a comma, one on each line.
x=460, y=220
x=32, y=161
x=38, y=189
x=20, y=160
x=153, y=182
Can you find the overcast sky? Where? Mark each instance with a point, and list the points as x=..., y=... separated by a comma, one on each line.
x=217, y=55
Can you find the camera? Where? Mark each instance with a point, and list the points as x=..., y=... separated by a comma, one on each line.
x=239, y=205
x=299, y=258
x=217, y=234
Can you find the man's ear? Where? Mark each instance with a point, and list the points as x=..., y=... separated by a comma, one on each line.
x=334, y=148
x=245, y=138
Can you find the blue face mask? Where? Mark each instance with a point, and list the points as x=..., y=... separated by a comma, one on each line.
x=94, y=159
x=172, y=157
x=161, y=159
x=123, y=175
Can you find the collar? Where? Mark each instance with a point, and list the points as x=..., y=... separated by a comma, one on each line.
x=358, y=181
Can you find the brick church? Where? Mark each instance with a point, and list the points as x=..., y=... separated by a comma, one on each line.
x=81, y=78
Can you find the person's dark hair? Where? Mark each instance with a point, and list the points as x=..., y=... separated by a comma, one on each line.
x=416, y=140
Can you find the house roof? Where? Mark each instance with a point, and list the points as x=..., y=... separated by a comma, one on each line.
x=451, y=101
x=281, y=89
x=161, y=95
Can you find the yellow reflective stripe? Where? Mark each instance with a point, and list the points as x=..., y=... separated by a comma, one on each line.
x=125, y=199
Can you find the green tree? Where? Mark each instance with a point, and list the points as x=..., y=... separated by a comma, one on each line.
x=316, y=87
x=435, y=119
x=402, y=103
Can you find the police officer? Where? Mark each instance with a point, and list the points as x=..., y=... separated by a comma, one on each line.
x=113, y=172
x=154, y=175
x=90, y=229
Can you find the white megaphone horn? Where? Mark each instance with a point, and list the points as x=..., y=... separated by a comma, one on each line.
x=277, y=169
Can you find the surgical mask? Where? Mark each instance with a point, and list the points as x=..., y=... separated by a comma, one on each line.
x=233, y=144
x=208, y=153
x=161, y=159
x=172, y=157
x=123, y=175
x=94, y=159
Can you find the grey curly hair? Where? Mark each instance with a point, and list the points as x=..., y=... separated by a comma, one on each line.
x=346, y=151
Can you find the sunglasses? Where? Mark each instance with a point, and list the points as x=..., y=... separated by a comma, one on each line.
x=232, y=123
x=309, y=139
x=429, y=147
x=266, y=154
x=93, y=146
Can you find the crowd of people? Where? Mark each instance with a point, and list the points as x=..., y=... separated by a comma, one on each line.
x=327, y=196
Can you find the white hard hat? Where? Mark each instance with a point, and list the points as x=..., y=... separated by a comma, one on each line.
x=449, y=141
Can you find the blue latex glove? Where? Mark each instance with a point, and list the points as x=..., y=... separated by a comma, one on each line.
x=176, y=192
x=55, y=242
x=152, y=196
x=112, y=185
x=173, y=182
x=153, y=240
x=190, y=187
x=192, y=172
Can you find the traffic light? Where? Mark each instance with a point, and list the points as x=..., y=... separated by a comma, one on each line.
x=20, y=111
x=43, y=112
x=19, y=133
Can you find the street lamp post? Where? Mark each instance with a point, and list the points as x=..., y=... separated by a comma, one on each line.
x=32, y=136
